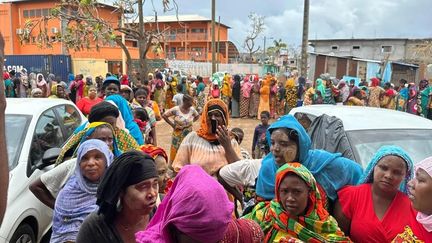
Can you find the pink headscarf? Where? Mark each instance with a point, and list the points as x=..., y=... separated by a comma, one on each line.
x=197, y=205
x=425, y=220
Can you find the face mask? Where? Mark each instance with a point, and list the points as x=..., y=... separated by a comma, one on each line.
x=213, y=125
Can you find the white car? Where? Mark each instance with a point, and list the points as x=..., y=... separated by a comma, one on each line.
x=368, y=129
x=35, y=129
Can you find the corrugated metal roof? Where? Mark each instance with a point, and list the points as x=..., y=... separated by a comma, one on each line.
x=103, y=2
x=177, y=18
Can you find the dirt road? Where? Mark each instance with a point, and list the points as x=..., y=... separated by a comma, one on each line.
x=163, y=131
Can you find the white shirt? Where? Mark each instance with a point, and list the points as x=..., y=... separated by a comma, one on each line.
x=241, y=173
x=55, y=179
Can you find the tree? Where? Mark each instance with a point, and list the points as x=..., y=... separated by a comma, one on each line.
x=305, y=39
x=84, y=28
x=257, y=26
x=275, y=50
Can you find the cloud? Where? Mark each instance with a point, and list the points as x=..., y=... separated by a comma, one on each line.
x=328, y=18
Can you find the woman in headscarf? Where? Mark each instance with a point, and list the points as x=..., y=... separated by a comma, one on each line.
x=254, y=100
x=344, y=91
x=375, y=93
x=42, y=84
x=320, y=91
x=298, y=211
x=357, y=99
x=412, y=99
x=201, y=94
x=127, y=116
x=171, y=91
x=161, y=159
x=245, y=96
x=36, y=93
x=158, y=91
x=126, y=198
x=203, y=147
x=264, y=103
x=77, y=88
x=289, y=142
x=184, y=117
x=72, y=144
x=420, y=193
x=77, y=199
x=32, y=80
x=124, y=80
x=226, y=90
x=330, y=93
x=403, y=95
x=101, y=113
x=423, y=98
x=58, y=91
x=309, y=95
x=236, y=93
x=85, y=104
x=388, y=100
x=196, y=208
x=273, y=98
x=291, y=95
x=377, y=209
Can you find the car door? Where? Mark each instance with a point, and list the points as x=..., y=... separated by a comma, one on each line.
x=69, y=119
x=47, y=134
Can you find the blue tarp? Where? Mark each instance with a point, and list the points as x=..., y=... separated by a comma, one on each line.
x=387, y=73
x=373, y=70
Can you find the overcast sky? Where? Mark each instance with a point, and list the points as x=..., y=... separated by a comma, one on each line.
x=328, y=18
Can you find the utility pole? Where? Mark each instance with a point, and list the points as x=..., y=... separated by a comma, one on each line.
x=213, y=44
x=218, y=47
x=304, y=54
x=123, y=40
x=264, y=51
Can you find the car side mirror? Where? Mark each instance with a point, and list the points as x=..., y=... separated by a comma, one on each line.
x=50, y=156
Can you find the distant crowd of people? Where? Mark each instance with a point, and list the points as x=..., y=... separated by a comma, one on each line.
x=113, y=183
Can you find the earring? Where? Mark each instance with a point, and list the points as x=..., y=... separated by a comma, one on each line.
x=119, y=205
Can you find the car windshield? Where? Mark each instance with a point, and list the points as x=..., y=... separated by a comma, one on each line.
x=417, y=143
x=16, y=128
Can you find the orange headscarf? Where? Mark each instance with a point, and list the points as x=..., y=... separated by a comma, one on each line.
x=204, y=131
x=154, y=151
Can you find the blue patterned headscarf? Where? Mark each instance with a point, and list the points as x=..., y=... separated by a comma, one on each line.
x=389, y=151
x=77, y=199
x=126, y=113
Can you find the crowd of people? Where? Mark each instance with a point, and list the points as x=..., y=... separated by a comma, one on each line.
x=113, y=183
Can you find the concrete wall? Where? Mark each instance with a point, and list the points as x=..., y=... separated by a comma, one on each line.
x=368, y=49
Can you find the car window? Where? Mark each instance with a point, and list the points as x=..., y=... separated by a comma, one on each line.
x=16, y=130
x=69, y=117
x=47, y=135
x=366, y=143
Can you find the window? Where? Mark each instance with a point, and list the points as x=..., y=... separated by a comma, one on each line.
x=356, y=47
x=172, y=49
x=32, y=13
x=197, y=30
x=334, y=47
x=47, y=135
x=26, y=13
x=181, y=31
x=386, y=49
x=70, y=117
x=196, y=49
x=179, y=49
x=38, y=12
x=45, y=12
x=16, y=130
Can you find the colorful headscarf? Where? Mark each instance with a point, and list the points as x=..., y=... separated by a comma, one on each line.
x=243, y=231
x=77, y=138
x=213, y=104
x=197, y=205
x=320, y=87
x=154, y=151
x=315, y=226
x=77, y=199
x=425, y=220
x=375, y=82
x=389, y=151
x=126, y=112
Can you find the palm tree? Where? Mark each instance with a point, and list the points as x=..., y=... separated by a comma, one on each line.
x=278, y=46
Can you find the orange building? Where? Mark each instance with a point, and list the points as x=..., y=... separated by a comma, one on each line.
x=188, y=37
x=14, y=14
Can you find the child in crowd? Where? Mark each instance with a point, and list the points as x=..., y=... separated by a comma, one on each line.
x=260, y=147
x=178, y=98
x=142, y=119
x=238, y=134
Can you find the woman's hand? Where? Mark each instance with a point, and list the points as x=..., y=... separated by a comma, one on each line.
x=222, y=135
